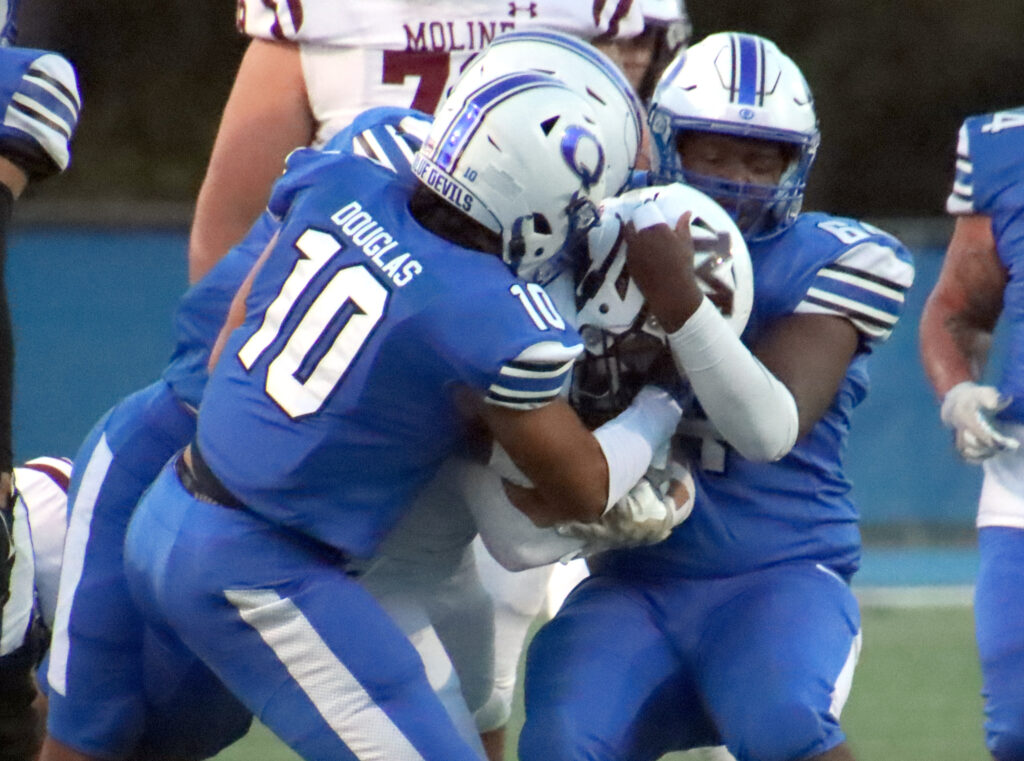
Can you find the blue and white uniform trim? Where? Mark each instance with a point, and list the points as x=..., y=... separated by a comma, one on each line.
x=867, y=285
x=534, y=378
x=46, y=105
x=961, y=199
x=391, y=148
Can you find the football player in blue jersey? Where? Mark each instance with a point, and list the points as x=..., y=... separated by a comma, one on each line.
x=97, y=646
x=980, y=284
x=40, y=101
x=741, y=627
x=384, y=308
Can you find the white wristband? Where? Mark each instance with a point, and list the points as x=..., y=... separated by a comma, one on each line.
x=630, y=440
x=750, y=407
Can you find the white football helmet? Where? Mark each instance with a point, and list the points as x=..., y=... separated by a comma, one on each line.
x=625, y=346
x=740, y=85
x=522, y=155
x=587, y=71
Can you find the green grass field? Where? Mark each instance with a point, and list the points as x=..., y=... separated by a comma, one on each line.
x=915, y=694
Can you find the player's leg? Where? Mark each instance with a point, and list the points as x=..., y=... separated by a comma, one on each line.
x=408, y=609
x=998, y=612
x=94, y=673
x=299, y=642
x=21, y=640
x=424, y=575
x=20, y=722
x=999, y=604
x=773, y=678
x=604, y=683
x=518, y=598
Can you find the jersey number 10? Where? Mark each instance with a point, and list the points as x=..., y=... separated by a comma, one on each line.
x=325, y=340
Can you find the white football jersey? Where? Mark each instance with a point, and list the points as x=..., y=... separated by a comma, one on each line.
x=357, y=55
x=40, y=522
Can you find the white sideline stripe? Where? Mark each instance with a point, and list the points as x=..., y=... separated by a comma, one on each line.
x=74, y=560
x=339, y=697
x=948, y=596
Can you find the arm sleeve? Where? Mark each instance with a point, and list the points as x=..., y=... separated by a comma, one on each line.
x=751, y=408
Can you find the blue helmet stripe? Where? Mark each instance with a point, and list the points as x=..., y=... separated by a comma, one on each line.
x=748, y=71
x=574, y=45
x=476, y=107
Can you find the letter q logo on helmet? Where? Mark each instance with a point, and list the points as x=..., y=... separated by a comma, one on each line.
x=584, y=153
x=526, y=151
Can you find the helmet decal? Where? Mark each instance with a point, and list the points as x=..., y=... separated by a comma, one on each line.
x=583, y=153
x=476, y=107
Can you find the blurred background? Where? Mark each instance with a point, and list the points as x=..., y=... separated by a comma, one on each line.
x=98, y=259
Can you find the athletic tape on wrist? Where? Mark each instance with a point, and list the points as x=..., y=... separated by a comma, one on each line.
x=648, y=215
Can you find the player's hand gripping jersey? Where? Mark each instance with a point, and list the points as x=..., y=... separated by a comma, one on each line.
x=359, y=326
x=750, y=515
x=989, y=181
x=409, y=52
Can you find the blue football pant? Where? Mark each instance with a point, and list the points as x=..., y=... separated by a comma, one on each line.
x=279, y=621
x=999, y=623
x=99, y=651
x=631, y=669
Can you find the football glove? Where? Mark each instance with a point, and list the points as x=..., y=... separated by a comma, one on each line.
x=40, y=101
x=968, y=409
x=646, y=515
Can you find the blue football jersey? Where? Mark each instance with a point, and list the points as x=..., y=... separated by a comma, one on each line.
x=752, y=515
x=386, y=136
x=334, y=401
x=990, y=180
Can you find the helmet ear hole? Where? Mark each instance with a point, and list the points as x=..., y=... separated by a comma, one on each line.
x=541, y=225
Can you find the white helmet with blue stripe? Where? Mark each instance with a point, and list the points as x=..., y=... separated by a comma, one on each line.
x=586, y=70
x=523, y=155
x=740, y=85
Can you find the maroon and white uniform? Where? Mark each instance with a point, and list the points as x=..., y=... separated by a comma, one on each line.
x=358, y=55
x=40, y=522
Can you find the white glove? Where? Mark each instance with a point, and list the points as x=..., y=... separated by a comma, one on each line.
x=968, y=408
x=646, y=515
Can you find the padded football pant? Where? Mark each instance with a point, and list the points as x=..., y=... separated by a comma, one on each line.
x=99, y=648
x=277, y=619
x=999, y=621
x=631, y=669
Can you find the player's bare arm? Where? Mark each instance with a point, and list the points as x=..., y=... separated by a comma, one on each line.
x=236, y=312
x=961, y=312
x=561, y=458
x=256, y=133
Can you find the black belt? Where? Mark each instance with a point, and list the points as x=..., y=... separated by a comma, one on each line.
x=201, y=483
